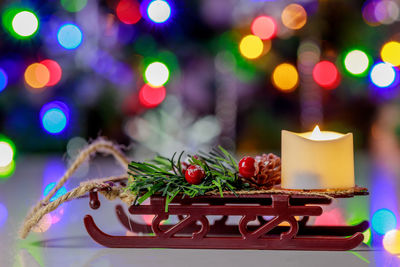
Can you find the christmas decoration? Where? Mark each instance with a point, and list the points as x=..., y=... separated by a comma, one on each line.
x=247, y=167
x=267, y=172
x=221, y=192
x=216, y=171
x=194, y=174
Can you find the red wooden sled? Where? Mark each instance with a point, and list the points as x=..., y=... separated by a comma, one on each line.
x=194, y=230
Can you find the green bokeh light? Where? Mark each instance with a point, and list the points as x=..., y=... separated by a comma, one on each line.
x=156, y=74
x=21, y=23
x=7, y=171
x=356, y=62
x=73, y=5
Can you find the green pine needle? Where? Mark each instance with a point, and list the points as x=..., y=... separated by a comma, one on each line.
x=164, y=176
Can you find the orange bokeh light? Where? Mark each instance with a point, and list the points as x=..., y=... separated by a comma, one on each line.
x=37, y=75
x=294, y=16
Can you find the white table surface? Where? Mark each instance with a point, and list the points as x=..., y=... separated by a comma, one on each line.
x=66, y=242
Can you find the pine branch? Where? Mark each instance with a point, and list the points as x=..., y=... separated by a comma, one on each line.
x=164, y=176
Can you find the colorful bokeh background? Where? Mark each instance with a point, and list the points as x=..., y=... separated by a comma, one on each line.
x=170, y=75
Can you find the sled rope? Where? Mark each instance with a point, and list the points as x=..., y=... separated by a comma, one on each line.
x=45, y=206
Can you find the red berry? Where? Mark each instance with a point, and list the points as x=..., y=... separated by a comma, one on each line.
x=247, y=167
x=194, y=174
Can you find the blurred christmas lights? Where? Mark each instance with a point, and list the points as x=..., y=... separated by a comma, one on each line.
x=73, y=5
x=294, y=16
x=367, y=236
x=251, y=46
x=62, y=191
x=383, y=220
x=285, y=77
x=357, y=62
x=37, y=75
x=25, y=23
x=3, y=79
x=7, y=171
x=368, y=13
x=386, y=11
x=54, y=117
x=43, y=225
x=326, y=75
x=158, y=11
x=55, y=71
x=390, y=53
x=264, y=27
x=151, y=97
x=383, y=74
x=128, y=11
x=75, y=145
x=69, y=36
x=391, y=241
x=6, y=153
x=156, y=74
x=3, y=214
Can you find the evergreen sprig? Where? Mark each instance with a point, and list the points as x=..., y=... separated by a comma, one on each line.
x=165, y=177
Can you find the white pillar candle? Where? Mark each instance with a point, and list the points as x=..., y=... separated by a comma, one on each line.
x=317, y=160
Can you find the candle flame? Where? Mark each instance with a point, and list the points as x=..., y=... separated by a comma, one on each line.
x=316, y=134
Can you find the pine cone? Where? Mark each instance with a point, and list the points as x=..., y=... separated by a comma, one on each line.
x=268, y=172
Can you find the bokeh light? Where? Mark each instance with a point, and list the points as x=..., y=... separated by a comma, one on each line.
x=75, y=145
x=43, y=225
x=391, y=241
x=55, y=71
x=156, y=74
x=128, y=11
x=25, y=23
x=3, y=214
x=383, y=74
x=367, y=236
x=3, y=79
x=37, y=75
x=326, y=75
x=390, y=53
x=386, y=11
x=54, y=117
x=383, y=221
x=151, y=97
x=159, y=11
x=368, y=13
x=7, y=171
x=294, y=16
x=285, y=77
x=251, y=47
x=6, y=153
x=54, y=120
x=357, y=62
x=59, y=193
x=69, y=36
x=73, y=5
x=264, y=27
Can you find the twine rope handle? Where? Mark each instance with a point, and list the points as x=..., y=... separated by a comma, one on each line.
x=44, y=206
